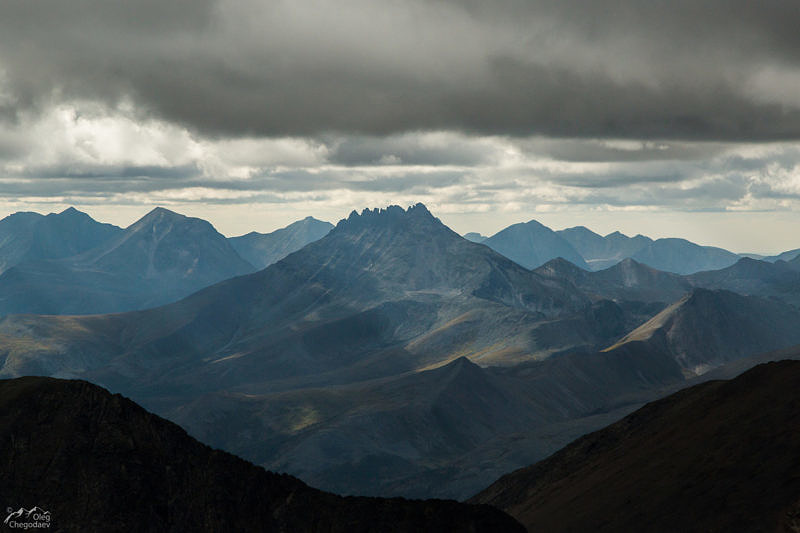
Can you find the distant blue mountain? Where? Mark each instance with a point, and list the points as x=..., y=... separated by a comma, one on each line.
x=158, y=259
x=532, y=244
x=785, y=256
x=263, y=249
x=475, y=237
x=28, y=236
x=669, y=255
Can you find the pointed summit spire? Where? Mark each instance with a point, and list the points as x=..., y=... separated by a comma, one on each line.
x=390, y=216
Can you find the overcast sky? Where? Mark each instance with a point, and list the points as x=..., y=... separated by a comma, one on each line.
x=670, y=118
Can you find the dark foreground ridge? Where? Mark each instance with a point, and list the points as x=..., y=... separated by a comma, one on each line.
x=721, y=456
x=99, y=462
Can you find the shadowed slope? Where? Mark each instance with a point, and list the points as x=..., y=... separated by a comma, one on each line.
x=708, y=328
x=779, y=280
x=721, y=456
x=99, y=462
x=627, y=280
x=442, y=432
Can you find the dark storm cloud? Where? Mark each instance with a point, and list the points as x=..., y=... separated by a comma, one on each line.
x=96, y=180
x=114, y=172
x=410, y=150
x=713, y=70
x=92, y=181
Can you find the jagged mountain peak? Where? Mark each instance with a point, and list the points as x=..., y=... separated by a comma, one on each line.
x=416, y=222
x=410, y=246
x=388, y=215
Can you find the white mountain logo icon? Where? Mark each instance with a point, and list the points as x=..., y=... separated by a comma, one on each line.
x=35, y=513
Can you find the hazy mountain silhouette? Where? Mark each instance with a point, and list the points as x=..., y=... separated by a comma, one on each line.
x=16, y=234
x=263, y=249
x=721, y=456
x=684, y=257
x=603, y=252
x=670, y=255
x=101, y=462
x=532, y=244
x=26, y=237
x=789, y=255
x=475, y=237
x=158, y=259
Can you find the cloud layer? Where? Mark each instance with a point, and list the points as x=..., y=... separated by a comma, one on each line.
x=516, y=106
x=716, y=70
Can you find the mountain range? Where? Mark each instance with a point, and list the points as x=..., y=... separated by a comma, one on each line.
x=67, y=263
x=670, y=255
x=398, y=286
x=532, y=245
x=602, y=252
x=720, y=456
x=26, y=236
x=99, y=462
x=394, y=346
x=778, y=280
